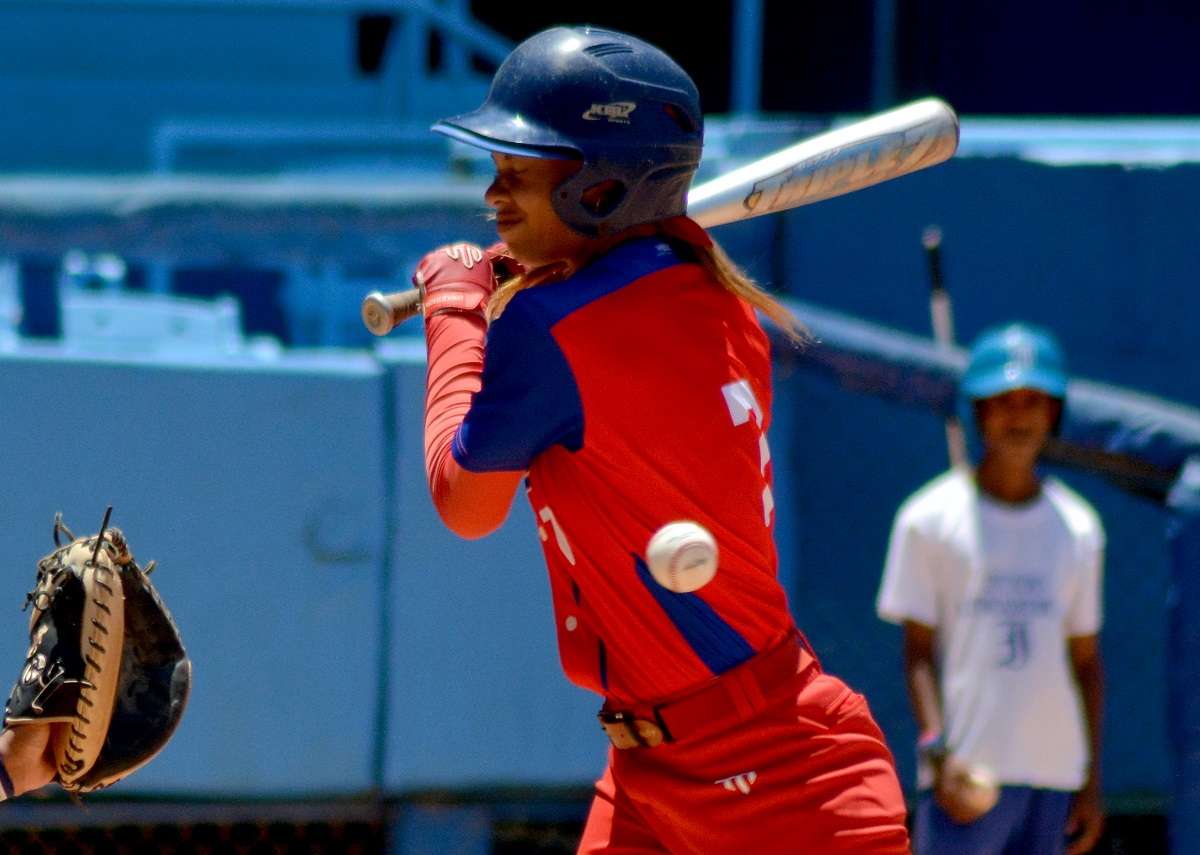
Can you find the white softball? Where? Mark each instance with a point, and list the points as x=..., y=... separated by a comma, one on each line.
x=682, y=556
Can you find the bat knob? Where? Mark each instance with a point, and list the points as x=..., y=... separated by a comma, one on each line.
x=931, y=237
x=377, y=314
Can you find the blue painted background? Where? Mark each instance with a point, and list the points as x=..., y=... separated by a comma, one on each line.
x=342, y=639
x=260, y=493
x=267, y=491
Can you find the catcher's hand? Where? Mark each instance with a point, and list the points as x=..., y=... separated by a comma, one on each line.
x=106, y=665
x=26, y=761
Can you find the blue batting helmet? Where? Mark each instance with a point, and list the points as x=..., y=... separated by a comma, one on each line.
x=617, y=103
x=1014, y=356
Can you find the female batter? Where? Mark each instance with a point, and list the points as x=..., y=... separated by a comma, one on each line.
x=606, y=355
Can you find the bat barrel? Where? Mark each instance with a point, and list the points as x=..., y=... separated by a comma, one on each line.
x=849, y=158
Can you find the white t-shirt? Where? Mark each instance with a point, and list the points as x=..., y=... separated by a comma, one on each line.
x=1004, y=586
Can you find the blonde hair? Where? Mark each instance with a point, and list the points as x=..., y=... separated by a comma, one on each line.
x=723, y=269
x=733, y=279
x=510, y=287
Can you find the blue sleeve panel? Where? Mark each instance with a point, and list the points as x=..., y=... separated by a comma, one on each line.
x=528, y=402
x=529, y=399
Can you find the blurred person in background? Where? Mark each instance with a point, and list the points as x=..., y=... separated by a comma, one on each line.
x=995, y=575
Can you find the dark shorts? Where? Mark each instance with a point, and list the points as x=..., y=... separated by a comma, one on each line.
x=1025, y=821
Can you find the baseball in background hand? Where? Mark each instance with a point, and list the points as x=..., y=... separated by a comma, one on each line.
x=966, y=791
x=682, y=556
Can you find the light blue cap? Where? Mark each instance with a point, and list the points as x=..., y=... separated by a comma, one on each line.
x=1014, y=356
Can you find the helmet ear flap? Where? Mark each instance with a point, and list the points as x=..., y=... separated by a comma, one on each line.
x=595, y=202
x=602, y=198
x=587, y=200
x=680, y=117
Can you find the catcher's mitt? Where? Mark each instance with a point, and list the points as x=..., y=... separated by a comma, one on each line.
x=106, y=665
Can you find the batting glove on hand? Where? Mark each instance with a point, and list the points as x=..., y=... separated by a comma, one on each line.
x=459, y=277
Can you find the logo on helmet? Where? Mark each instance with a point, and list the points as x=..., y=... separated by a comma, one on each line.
x=1021, y=356
x=617, y=111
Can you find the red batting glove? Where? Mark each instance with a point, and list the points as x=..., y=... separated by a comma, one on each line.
x=459, y=277
x=454, y=278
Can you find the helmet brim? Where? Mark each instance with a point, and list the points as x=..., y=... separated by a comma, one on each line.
x=1008, y=379
x=498, y=130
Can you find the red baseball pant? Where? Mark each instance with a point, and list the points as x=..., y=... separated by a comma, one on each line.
x=810, y=773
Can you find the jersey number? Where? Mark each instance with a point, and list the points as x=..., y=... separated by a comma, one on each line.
x=1015, y=644
x=739, y=398
x=546, y=515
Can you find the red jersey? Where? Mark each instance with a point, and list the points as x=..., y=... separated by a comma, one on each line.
x=637, y=393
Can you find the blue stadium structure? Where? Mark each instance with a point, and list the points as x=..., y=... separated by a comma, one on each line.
x=196, y=194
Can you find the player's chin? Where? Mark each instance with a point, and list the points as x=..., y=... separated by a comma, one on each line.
x=1022, y=438
x=1024, y=452
x=509, y=229
x=516, y=237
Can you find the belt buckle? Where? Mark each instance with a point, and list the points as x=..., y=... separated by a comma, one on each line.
x=626, y=731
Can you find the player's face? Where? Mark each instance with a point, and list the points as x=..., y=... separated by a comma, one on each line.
x=1017, y=424
x=525, y=218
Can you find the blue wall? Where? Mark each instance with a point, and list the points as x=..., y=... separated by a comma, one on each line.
x=1100, y=254
x=1104, y=255
x=477, y=697
x=268, y=491
x=260, y=491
